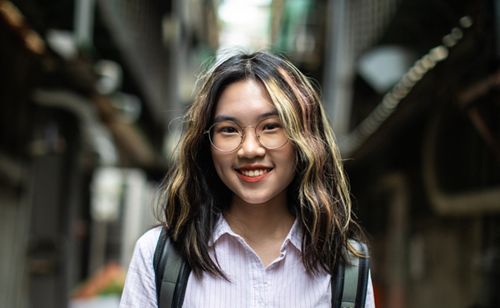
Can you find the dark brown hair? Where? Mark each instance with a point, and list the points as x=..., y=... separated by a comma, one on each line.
x=194, y=196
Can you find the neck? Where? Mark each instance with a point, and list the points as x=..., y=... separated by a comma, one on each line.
x=260, y=222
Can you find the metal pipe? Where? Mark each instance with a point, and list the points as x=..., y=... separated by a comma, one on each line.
x=339, y=67
x=458, y=204
x=84, y=23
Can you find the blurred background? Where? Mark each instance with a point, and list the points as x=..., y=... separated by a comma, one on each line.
x=92, y=92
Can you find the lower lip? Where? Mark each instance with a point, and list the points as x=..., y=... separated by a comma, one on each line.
x=252, y=179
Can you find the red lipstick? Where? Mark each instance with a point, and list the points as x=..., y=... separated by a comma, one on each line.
x=250, y=174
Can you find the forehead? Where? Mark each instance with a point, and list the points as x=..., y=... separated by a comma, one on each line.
x=245, y=100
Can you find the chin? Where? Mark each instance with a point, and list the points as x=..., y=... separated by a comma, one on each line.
x=252, y=199
x=254, y=202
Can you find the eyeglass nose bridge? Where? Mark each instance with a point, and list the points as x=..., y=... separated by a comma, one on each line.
x=243, y=136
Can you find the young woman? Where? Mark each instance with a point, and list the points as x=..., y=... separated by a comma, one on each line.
x=257, y=201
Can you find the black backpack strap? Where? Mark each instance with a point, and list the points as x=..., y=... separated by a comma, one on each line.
x=337, y=285
x=171, y=273
x=363, y=272
x=157, y=264
x=349, y=282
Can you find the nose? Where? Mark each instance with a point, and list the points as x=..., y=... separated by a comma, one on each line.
x=250, y=146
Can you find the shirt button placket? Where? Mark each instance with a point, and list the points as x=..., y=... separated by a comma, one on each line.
x=265, y=292
x=260, y=286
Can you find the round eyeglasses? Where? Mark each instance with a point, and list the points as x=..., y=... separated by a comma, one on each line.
x=227, y=136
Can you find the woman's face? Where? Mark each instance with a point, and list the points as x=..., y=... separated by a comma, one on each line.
x=255, y=174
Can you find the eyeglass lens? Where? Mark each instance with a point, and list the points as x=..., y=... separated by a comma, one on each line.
x=227, y=135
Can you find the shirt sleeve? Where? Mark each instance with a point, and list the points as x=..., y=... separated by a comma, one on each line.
x=140, y=288
x=370, y=298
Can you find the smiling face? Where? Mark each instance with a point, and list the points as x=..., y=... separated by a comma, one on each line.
x=255, y=174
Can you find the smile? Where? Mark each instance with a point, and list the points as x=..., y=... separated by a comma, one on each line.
x=252, y=175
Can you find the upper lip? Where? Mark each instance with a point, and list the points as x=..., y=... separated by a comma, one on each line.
x=253, y=167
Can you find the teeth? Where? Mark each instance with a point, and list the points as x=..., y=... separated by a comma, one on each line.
x=253, y=173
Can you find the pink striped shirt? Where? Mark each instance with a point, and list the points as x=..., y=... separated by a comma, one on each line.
x=283, y=283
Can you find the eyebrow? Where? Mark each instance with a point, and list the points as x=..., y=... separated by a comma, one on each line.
x=223, y=117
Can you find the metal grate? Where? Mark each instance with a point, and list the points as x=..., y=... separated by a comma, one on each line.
x=368, y=19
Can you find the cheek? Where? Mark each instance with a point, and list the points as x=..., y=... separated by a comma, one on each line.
x=289, y=160
x=220, y=162
x=215, y=161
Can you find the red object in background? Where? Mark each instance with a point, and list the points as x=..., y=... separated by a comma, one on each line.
x=111, y=276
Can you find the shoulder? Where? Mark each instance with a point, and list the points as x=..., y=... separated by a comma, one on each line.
x=146, y=244
x=150, y=236
x=140, y=289
x=147, y=241
x=357, y=248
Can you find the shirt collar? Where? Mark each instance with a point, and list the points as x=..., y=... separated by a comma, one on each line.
x=221, y=228
x=294, y=236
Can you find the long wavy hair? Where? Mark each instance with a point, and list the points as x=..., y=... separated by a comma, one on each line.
x=193, y=196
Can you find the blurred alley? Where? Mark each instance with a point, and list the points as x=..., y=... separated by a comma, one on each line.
x=92, y=94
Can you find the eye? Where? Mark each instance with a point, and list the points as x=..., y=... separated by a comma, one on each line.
x=227, y=130
x=271, y=126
